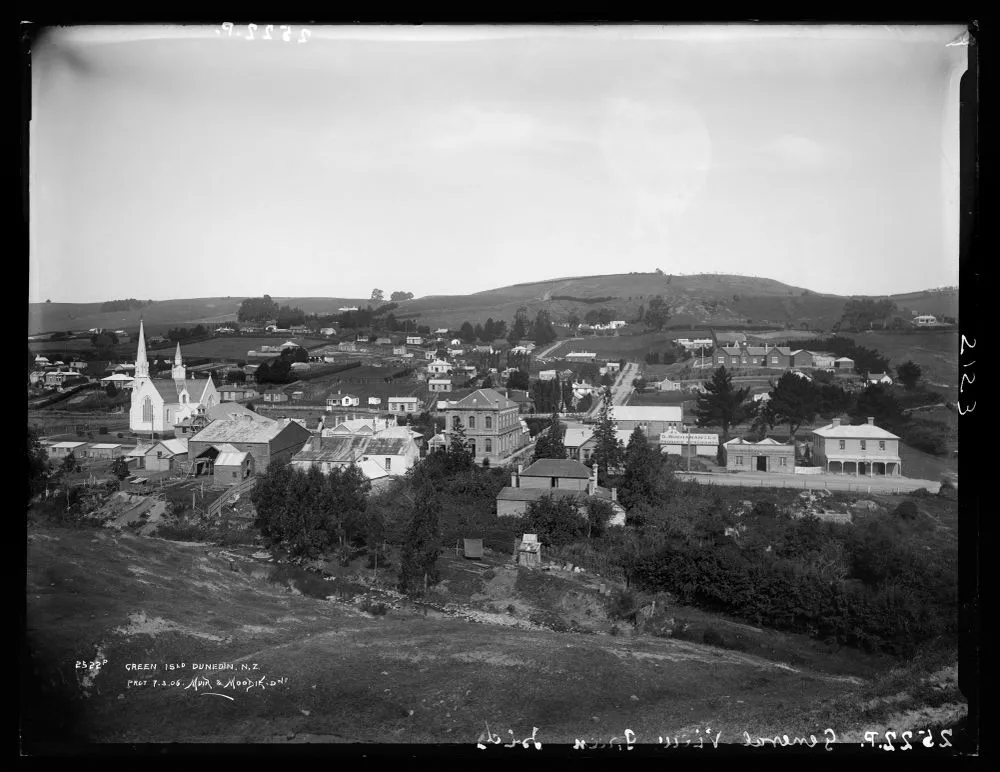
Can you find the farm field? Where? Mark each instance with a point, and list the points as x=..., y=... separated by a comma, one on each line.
x=227, y=347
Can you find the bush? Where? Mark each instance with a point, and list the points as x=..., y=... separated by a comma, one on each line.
x=102, y=430
x=906, y=510
x=374, y=607
x=712, y=637
x=623, y=605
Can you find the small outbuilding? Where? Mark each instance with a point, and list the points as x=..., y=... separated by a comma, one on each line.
x=473, y=549
x=529, y=551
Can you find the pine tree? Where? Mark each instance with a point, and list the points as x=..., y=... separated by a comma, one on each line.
x=459, y=457
x=608, y=449
x=721, y=404
x=550, y=442
x=794, y=401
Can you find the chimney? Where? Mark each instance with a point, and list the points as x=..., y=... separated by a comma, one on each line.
x=520, y=468
x=614, y=495
x=513, y=480
x=836, y=422
x=871, y=421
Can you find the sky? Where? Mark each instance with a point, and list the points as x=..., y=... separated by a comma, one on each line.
x=175, y=162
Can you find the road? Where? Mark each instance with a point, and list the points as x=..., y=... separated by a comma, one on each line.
x=542, y=355
x=620, y=389
x=828, y=481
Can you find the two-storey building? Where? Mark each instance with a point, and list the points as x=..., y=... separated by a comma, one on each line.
x=491, y=422
x=865, y=450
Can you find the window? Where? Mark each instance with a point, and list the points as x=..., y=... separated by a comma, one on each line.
x=147, y=410
x=159, y=454
x=472, y=422
x=489, y=446
x=388, y=464
x=774, y=360
x=863, y=445
x=489, y=423
x=744, y=360
x=782, y=461
x=881, y=444
x=843, y=444
x=455, y=421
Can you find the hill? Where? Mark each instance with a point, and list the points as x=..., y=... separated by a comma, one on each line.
x=701, y=299
x=336, y=674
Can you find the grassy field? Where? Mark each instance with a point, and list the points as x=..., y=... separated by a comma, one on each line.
x=335, y=674
x=935, y=352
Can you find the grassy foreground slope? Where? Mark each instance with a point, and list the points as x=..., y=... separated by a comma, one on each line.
x=351, y=677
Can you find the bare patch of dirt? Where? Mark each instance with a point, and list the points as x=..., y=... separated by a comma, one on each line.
x=140, y=624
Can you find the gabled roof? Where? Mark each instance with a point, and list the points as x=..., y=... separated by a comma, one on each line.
x=176, y=447
x=557, y=467
x=765, y=441
x=243, y=429
x=231, y=459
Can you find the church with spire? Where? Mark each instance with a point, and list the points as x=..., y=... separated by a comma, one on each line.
x=160, y=403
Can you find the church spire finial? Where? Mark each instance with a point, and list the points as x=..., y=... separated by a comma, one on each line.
x=177, y=357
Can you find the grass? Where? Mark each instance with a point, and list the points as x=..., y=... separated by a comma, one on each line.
x=357, y=677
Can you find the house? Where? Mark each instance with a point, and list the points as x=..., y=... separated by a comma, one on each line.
x=78, y=365
x=383, y=341
x=347, y=345
x=674, y=443
x=235, y=392
x=879, y=378
x=264, y=438
x=441, y=331
x=490, y=420
x=439, y=384
x=232, y=465
x=403, y=404
x=581, y=356
x=374, y=402
x=275, y=397
x=559, y=478
x=328, y=331
x=41, y=361
x=823, y=361
x=865, y=450
x=60, y=450
x=652, y=419
x=298, y=367
x=667, y=385
x=377, y=456
x=763, y=396
x=400, y=351
x=63, y=378
x=120, y=380
x=547, y=375
x=801, y=358
x=585, y=450
x=612, y=367
x=521, y=398
x=104, y=451
x=456, y=352
x=343, y=400
x=166, y=455
x=414, y=340
x=924, y=320
x=366, y=426
x=844, y=364
x=765, y=456
x=430, y=355
x=438, y=367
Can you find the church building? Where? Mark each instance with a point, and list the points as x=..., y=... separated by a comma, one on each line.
x=158, y=404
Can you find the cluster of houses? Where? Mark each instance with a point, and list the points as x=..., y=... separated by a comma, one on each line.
x=56, y=374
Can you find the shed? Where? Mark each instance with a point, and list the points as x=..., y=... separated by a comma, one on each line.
x=230, y=468
x=529, y=551
x=474, y=549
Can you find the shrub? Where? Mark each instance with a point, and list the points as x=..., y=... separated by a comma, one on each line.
x=102, y=430
x=623, y=605
x=713, y=637
x=374, y=607
x=906, y=510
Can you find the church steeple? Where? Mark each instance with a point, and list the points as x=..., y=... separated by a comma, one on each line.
x=179, y=372
x=141, y=363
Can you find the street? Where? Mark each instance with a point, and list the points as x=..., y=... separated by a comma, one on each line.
x=831, y=482
x=620, y=389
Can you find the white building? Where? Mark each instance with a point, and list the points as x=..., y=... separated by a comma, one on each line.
x=674, y=442
x=865, y=450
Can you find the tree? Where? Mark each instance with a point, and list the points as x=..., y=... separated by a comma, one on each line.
x=909, y=373
x=39, y=468
x=550, y=443
x=257, y=309
x=573, y=321
x=721, y=404
x=467, y=332
x=519, y=330
x=794, y=401
x=518, y=380
x=398, y=295
x=640, y=482
x=119, y=468
x=657, y=314
x=459, y=457
x=877, y=402
x=542, y=331
x=70, y=464
x=418, y=567
x=599, y=513
x=557, y=521
x=608, y=449
x=378, y=295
